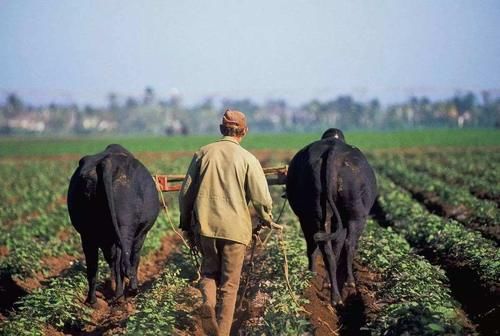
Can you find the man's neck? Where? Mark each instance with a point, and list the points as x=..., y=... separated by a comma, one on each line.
x=237, y=139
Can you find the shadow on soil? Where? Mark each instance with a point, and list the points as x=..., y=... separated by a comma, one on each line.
x=10, y=292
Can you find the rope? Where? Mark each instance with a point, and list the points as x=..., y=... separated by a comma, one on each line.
x=278, y=220
x=281, y=243
x=193, y=254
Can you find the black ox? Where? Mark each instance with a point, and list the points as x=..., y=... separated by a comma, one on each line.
x=112, y=203
x=331, y=188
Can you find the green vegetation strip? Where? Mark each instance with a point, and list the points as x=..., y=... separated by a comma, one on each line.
x=158, y=310
x=478, y=212
x=284, y=313
x=58, y=304
x=364, y=140
x=474, y=183
x=483, y=165
x=28, y=243
x=417, y=299
x=29, y=188
x=446, y=238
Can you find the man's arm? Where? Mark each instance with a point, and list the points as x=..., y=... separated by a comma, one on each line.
x=187, y=194
x=258, y=191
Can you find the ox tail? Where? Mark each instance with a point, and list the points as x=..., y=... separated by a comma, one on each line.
x=107, y=175
x=330, y=187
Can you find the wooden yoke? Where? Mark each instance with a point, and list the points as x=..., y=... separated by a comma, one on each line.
x=166, y=183
x=276, y=175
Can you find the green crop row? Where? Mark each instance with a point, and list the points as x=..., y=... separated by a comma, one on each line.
x=417, y=298
x=446, y=238
x=158, y=310
x=29, y=243
x=482, y=165
x=477, y=212
x=474, y=183
x=59, y=304
x=30, y=188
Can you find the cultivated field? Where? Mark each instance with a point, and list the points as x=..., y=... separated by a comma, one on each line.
x=428, y=262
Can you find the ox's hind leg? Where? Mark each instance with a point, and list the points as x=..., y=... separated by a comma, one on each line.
x=134, y=261
x=312, y=245
x=312, y=253
x=117, y=271
x=91, y=258
x=355, y=228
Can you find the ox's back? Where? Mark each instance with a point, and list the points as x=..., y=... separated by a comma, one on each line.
x=131, y=182
x=332, y=167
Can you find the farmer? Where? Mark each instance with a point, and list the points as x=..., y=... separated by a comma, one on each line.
x=221, y=181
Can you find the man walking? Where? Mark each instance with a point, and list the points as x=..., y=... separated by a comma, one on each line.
x=221, y=181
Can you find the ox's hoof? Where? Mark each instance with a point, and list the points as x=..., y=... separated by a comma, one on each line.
x=338, y=303
x=92, y=303
x=350, y=284
x=118, y=300
x=132, y=291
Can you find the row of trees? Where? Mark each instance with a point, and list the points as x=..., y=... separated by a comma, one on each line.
x=152, y=115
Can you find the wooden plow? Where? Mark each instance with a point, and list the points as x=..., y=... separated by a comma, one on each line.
x=167, y=183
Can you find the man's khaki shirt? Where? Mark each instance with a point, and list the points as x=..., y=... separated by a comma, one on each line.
x=221, y=180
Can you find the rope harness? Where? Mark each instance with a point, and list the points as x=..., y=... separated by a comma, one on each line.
x=281, y=242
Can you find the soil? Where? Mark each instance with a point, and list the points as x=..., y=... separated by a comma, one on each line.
x=322, y=315
x=350, y=318
x=4, y=251
x=53, y=265
x=250, y=308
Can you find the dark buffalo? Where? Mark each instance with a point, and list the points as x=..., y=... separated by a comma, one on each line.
x=331, y=188
x=112, y=203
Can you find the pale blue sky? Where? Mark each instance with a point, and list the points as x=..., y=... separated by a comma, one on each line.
x=81, y=50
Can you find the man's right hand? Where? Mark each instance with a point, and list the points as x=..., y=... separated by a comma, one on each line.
x=265, y=223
